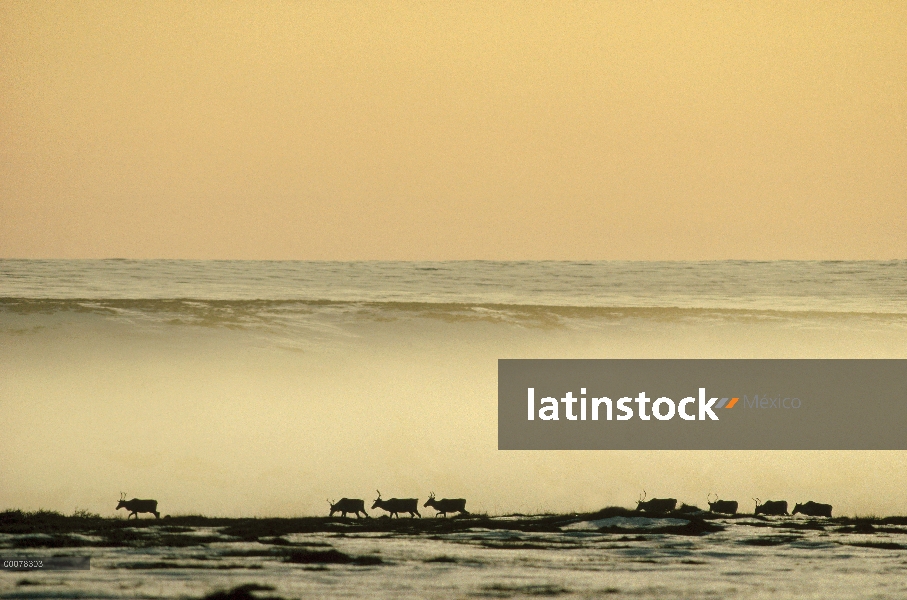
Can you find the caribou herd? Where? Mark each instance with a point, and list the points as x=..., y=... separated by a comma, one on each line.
x=729, y=507
x=660, y=506
x=394, y=506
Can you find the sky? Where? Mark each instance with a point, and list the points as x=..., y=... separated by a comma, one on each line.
x=462, y=130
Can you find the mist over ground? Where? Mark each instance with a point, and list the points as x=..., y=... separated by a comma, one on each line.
x=248, y=420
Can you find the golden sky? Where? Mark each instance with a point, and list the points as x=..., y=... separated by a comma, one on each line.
x=453, y=130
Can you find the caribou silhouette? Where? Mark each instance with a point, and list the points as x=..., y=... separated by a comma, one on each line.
x=446, y=505
x=136, y=506
x=398, y=505
x=770, y=507
x=655, y=505
x=728, y=507
x=348, y=505
x=813, y=509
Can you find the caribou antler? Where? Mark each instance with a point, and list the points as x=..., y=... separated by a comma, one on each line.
x=379, y=494
x=756, y=500
x=709, y=497
x=643, y=497
x=122, y=496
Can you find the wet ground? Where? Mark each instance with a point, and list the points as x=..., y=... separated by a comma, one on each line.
x=614, y=553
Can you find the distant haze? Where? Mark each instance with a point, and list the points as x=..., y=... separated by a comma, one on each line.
x=125, y=376
x=491, y=130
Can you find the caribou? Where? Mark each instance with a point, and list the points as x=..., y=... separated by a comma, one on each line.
x=136, y=506
x=770, y=507
x=446, y=505
x=348, y=505
x=398, y=505
x=655, y=505
x=728, y=507
x=813, y=509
